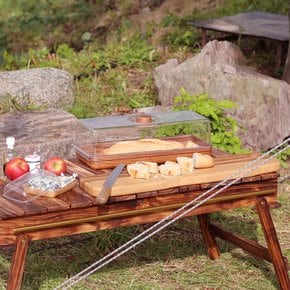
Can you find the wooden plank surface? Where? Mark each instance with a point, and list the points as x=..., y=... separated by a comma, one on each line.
x=129, y=185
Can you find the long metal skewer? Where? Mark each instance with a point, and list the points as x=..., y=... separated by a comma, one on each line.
x=174, y=216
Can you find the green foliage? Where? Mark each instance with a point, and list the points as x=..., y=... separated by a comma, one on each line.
x=102, y=82
x=10, y=104
x=275, y=6
x=41, y=33
x=181, y=33
x=31, y=23
x=223, y=128
x=135, y=52
x=284, y=157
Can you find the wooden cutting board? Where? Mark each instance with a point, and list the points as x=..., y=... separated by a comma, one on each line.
x=127, y=185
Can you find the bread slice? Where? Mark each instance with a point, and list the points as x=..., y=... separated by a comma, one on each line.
x=138, y=170
x=170, y=168
x=153, y=166
x=185, y=163
x=202, y=160
x=190, y=144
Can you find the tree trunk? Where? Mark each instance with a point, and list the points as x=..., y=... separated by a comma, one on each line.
x=286, y=74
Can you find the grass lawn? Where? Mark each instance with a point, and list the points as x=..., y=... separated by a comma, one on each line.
x=173, y=259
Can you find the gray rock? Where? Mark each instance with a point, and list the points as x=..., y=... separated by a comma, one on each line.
x=41, y=87
x=48, y=132
x=263, y=103
x=163, y=79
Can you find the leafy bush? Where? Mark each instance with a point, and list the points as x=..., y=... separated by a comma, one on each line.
x=284, y=156
x=223, y=128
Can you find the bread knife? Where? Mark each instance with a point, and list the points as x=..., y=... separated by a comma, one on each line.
x=106, y=190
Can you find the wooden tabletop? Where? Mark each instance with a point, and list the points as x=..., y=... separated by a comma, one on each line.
x=78, y=198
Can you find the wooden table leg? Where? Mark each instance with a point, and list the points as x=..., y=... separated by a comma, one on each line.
x=203, y=37
x=279, y=53
x=273, y=243
x=211, y=245
x=18, y=263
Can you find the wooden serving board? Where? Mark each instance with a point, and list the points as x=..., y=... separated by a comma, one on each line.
x=127, y=185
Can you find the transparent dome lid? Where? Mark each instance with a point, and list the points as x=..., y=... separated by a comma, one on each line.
x=179, y=126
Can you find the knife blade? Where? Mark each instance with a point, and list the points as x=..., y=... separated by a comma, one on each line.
x=106, y=190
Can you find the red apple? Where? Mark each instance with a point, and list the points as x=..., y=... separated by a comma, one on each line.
x=55, y=165
x=16, y=167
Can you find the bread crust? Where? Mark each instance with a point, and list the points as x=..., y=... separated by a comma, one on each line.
x=202, y=160
x=142, y=145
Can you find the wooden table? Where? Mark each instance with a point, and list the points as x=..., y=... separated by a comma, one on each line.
x=255, y=24
x=75, y=212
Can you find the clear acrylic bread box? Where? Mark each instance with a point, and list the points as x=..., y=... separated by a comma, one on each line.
x=189, y=129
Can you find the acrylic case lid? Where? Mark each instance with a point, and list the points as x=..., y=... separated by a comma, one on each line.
x=179, y=126
x=21, y=190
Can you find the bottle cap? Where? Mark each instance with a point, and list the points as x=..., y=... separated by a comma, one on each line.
x=33, y=158
x=10, y=142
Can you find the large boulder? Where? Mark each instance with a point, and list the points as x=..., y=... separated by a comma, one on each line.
x=40, y=87
x=263, y=103
x=47, y=132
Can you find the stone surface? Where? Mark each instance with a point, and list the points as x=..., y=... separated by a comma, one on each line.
x=41, y=87
x=263, y=103
x=49, y=132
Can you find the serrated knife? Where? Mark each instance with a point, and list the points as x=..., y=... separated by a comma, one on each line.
x=106, y=190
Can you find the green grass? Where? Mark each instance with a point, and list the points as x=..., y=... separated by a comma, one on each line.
x=54, y=34
x=113, y=76
x=173, y=259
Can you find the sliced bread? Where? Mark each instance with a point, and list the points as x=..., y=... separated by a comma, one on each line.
x=202, y=160
x=185, y=163
x=170, y=168
x=138, y=170
x=153, y=166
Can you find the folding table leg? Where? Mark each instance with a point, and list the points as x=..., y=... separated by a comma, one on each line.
x=18, y=263
x=208, y=237
x=203, y=37
x=273, y=243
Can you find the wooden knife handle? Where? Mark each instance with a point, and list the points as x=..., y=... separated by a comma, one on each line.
x=104, y=195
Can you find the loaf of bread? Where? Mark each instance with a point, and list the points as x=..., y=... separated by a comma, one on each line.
x=152, y=166
x=170, y=168
x=190, y=144
x=138, y=170
x=142, y=145
x=202, y=160
x=185, y=163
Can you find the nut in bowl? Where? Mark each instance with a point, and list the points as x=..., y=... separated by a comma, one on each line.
x=38, y=183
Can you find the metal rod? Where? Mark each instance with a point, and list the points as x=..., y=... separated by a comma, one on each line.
x=131, y=213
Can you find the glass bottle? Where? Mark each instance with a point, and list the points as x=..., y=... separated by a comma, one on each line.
x=10, y=152
x=33, y=160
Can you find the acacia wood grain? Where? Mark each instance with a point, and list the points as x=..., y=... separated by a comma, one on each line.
x=209, y=239
x=18, y=263
x=129, y=185
x=273, y=243
x=76, y=212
